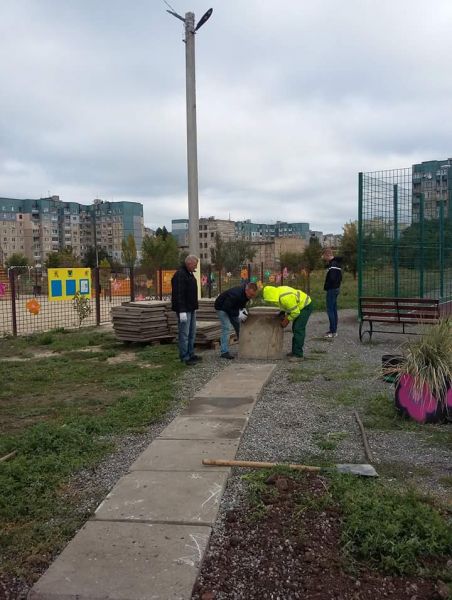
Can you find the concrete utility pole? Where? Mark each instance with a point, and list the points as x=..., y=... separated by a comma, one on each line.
x=192, y=143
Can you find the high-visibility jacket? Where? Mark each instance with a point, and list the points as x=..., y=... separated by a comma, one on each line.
x=287, y=299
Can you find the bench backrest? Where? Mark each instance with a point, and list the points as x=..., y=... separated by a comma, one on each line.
x=407, y=310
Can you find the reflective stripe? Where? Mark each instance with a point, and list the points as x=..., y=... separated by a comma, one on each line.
x=338, y=268
x=297, y=295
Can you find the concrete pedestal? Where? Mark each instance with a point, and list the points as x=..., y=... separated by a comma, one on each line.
x=261, y=335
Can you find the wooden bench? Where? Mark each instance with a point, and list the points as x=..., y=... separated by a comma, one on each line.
x=401, y=311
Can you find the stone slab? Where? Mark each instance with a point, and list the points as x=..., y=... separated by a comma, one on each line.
x=126, y=561
x=175, y=496
x=261, y=336
x=184, y=455
x=229, y=407
x=238, y=381
x=204, y=428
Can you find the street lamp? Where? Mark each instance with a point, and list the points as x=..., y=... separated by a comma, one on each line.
x=192, y=152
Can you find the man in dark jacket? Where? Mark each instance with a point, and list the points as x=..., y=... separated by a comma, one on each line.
x=184, y=301
x=332, y=286
x=230, y=307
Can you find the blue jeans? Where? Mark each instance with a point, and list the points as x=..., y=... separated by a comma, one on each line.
x=187, y=332
x=331, y=308
x=226, y=324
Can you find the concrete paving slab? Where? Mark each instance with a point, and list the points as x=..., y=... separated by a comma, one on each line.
x=232, y=407
x=238, y=381
x=184, y=455
x=175, y=496
x=204, y=428
x=126, y=561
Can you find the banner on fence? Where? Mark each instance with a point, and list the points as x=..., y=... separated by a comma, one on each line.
x=65, y=283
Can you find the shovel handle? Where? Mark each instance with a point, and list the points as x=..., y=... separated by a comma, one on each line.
x=256, y=465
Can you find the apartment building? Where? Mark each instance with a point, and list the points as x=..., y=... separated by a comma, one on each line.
x=37, y=227
x=254, y=232
x=432, y=189
x=208, y=229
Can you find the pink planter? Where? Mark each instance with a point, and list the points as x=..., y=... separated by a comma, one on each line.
x=422, y=407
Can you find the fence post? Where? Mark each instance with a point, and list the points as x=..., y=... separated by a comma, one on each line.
x=12, y=287
x=249, y=272
x=360, y=240
x=132, y=284
x=421, y=246
x=441, y=249
x=160, y=284
x=219, y=281
x=262, y=273
x=395, y=254
x=282, y=274
x=209, y=280
x=97, y=293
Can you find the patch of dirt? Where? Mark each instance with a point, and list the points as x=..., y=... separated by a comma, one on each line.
x=38, y=354
x=288, y=553
x=124, y=357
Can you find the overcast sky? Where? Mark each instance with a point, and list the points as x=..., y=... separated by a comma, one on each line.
x=294, y=98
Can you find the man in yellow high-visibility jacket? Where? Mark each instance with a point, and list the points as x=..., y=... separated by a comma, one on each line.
x=297, y=308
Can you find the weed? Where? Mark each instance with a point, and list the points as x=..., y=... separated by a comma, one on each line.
x=389, y=530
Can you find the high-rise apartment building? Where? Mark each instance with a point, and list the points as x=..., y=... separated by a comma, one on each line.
x=37, y=227
x=208, y=229
x=432, y=181
x=254, y=232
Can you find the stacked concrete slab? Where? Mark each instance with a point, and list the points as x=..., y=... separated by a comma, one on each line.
x=148, y=537
x=144, y=321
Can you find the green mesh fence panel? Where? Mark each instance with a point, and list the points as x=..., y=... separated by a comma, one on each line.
x=405, y=235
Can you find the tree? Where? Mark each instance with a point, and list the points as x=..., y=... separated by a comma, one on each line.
x=231, y=254
x=129, y=251
x=93, y=258
x=62, y=258
x=160, y=251
x=17, y=260
x=293, y=261
x=349, y=247
x=312, y=259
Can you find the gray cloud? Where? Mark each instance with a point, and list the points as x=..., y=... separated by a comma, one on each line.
x=293, y=100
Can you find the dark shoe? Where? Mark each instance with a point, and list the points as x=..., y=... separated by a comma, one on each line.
x=227, y=355
x=196, y=357
x=190, y=362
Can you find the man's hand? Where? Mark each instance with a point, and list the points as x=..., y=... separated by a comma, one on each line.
x=183, y=317
x=284, y=322
x=243, y=315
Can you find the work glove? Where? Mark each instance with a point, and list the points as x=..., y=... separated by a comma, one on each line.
x=183, y=317
x=243, y=315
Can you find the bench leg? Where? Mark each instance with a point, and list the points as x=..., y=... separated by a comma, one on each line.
x=363, y=332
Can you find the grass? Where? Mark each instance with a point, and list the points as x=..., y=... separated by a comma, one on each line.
x=60, y=414
x=397, y=532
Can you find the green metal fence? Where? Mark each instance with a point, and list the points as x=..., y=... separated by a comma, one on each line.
x=405, y=235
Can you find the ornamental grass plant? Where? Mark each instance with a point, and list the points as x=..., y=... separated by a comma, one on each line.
x=428, y=360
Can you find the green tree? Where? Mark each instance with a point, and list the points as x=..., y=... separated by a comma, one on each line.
x=349, y=248
x=231, y=254
x=312, y=259
x=129, y=251
x=17, y=260
x=293, y=261
x=62, y=258
x=160, y=251
x=93, y=258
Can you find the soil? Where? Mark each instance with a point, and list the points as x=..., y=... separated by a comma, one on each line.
x=287, y=554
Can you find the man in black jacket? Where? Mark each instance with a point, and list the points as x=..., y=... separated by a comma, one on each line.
x=230, y=307
x=184, y=301
x=332, y=286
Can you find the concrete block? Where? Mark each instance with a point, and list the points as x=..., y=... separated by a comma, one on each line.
x=184, y=455
x=261, y=335
x=204, y=428
x=126, y=561
x=240, y=381
x=165, y=496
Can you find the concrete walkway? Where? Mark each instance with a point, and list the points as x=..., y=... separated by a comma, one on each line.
x=148, y=537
